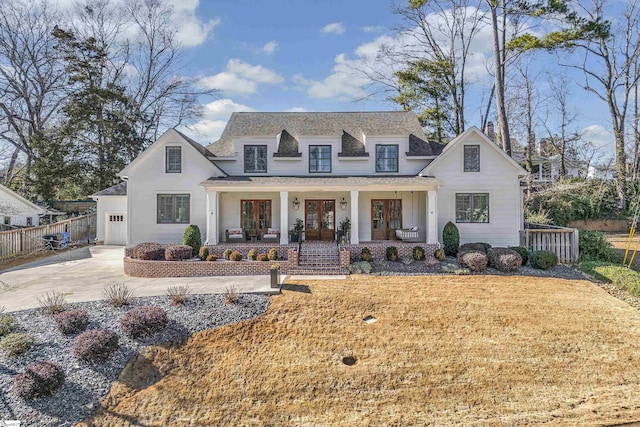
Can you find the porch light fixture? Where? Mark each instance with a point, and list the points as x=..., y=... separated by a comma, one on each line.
x=296, y=204
x=343, y=204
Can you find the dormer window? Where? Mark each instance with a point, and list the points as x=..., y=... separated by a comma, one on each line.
x=319, y=158
x=386, y=158
x=472, y=158
x=255, y=159
x=173, y=160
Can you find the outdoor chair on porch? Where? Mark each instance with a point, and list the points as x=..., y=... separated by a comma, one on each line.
x=235, y=235
x=272, y=235
x=409, y=234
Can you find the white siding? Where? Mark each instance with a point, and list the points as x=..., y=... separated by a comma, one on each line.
x=339, y=166
x=108, y=204
x=148, y=178
x=496, y=177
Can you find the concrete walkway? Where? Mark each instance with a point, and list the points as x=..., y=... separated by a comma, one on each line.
x=82, y=274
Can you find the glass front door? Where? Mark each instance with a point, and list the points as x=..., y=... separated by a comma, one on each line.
x=320, y=221
x=386, y=218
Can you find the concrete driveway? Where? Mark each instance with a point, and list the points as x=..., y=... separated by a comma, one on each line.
x=82, y=274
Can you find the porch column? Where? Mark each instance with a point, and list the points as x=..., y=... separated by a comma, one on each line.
x=212, y=217
x=432, y=217
x=284, y=217
x=354, y=217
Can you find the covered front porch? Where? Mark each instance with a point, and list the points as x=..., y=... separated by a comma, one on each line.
x=375, y=206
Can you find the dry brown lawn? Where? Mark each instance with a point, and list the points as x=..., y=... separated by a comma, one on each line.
x=476, y=350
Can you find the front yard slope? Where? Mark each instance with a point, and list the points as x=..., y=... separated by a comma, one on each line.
x=476, y=350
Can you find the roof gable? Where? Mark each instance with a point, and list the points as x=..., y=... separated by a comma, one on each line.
x=164, y=138
x=460, y=139
x=10, y=195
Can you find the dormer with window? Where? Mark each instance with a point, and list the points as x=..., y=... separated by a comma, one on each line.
x=386, y=158
x=173, y=156
x=319, y=159
x=255, y=159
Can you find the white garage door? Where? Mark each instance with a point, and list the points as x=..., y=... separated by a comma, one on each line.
x=116, y=229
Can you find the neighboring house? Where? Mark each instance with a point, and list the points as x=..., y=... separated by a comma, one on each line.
x=270, y=169
x=16, y=211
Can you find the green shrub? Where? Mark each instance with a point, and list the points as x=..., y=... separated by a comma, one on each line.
x=95, y=345
x=523, y=252
x=503, y=259
x=595, y=246
x=191, y=237
x=262, y=257
x=226, y=254
x=360, y=267
x=418, y=253
x=473, y=260
x=212, y=257
x=619, y=276
x=252, y=254
x=543, y=260
x=38, y=379
x=7, y=325
x=451, y=239
x=235, y=256
x=16, y=344
x=273, y=254
x=391, y=253
x=365, y=254
x=203, y=253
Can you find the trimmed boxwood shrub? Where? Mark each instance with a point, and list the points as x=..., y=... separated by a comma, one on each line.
x=212, y=257
x=178, y=252
x=252, y=254
x=143, y=321
x=262, y=257
x=95, y=345
x=7, y=325
x=503, y=259
x=72, y=321
x=235, y=256
x=543, y=260
x=149, y=251
x=191, y=237
x=451, y=239
x=16, y=344
x=365, y=254
x=523, y=252
x=203, y=253
x=418, y=253
x=273, y=254
x=391, y=253
x=473, y=260
x=38, y=379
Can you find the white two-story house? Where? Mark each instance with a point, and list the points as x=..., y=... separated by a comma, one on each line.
x=268, y=170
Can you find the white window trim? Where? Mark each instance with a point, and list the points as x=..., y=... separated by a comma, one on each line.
x=479, y=157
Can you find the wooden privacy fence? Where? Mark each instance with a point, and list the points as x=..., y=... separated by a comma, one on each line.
x=559, y=240
x=25, y=241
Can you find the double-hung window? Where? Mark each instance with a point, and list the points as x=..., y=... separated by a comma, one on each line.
x=173, y=160
x=319, y=158
x=472, y=158
x=472, y=207
x=386, y=158
x=173, y=208
x=255, y=159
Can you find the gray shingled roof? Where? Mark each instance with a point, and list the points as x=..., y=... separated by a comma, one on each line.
x=201, y=149
x=288, y=146
x=320, y=124
x=120, y=189
x=421, y=147
x=323, y=181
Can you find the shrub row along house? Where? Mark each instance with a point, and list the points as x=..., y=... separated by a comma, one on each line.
x=269, y=170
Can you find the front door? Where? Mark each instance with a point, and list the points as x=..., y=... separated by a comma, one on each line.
x=386, y=218
x=320, y=220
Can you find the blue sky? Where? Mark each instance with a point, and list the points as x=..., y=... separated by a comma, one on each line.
x=295, y=55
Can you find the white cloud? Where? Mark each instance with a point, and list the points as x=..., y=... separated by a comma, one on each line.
x=270, y=47
x=333, y=28
x=373, y=28
x=241, y=78
x=601, y=137
x=215, y=117
x=344, y=83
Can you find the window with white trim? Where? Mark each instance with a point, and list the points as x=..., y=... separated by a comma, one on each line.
x=472, y=207
x=173, y=208
x=472, y=158
x=173, y=160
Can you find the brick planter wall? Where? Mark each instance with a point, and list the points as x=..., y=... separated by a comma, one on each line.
x=378, y=249
x=143, y=268
x=345, y=258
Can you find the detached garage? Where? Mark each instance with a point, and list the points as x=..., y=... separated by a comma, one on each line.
x=112, y=215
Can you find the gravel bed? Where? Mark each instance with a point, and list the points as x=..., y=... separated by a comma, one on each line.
x=87, y=383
